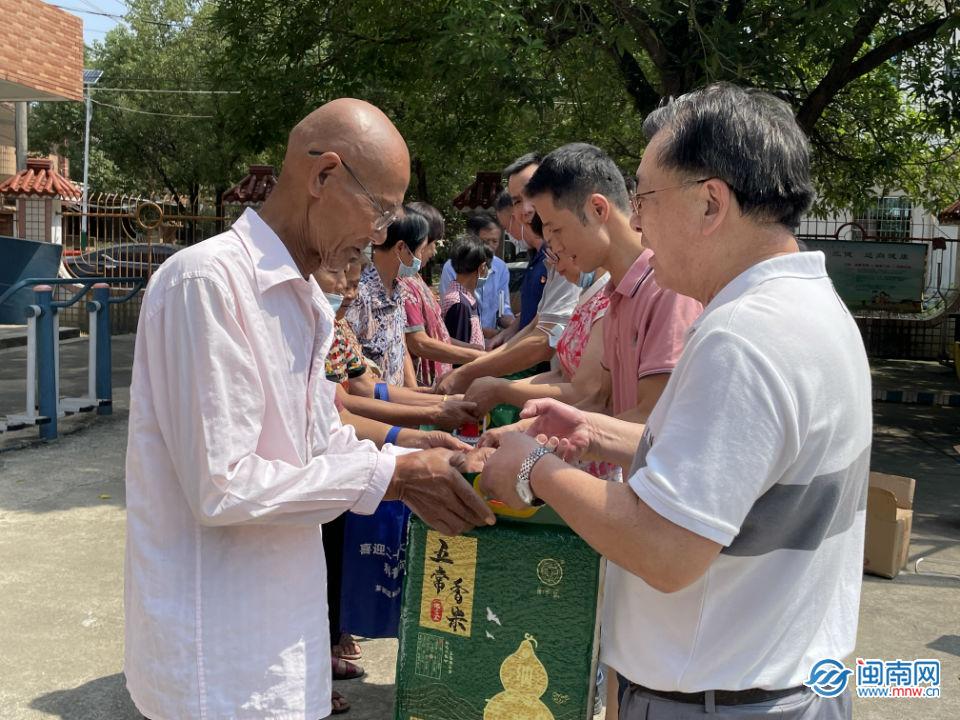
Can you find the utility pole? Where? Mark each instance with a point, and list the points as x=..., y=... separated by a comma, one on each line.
x=90, y=78
x=20, y=131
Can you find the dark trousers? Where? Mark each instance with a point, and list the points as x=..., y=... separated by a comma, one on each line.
x=333, y=533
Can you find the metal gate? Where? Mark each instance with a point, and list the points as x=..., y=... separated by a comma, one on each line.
x=129, y=236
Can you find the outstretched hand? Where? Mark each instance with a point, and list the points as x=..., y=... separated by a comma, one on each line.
x=564, y=427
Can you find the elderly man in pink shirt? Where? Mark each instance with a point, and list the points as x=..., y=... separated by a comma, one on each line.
x=236, y=454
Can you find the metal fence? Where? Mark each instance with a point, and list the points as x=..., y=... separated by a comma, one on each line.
x=129, y=236
x=930, y=333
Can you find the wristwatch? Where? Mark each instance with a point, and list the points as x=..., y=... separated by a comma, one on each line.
x=523, y=477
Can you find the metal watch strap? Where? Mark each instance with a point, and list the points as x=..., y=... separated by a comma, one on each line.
x=523, y=477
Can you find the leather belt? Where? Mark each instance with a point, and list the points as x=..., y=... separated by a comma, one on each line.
x=721, y=697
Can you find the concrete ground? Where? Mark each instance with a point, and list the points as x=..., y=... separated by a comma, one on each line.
x=61, y=555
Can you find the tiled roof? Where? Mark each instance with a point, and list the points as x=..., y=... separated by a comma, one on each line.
x=480, y=194
x=40, y=179
x=951, y=215
x=254, y=188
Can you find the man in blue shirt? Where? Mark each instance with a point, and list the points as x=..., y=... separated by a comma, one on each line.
x=494, y=296
x=534, y=278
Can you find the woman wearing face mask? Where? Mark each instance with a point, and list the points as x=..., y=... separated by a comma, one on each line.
x=579, y=353
x=377, y=315
x=434, y=351
x=470, y=259
x=362, y=390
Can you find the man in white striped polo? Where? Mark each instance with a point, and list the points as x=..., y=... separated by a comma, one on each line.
x=736, y=545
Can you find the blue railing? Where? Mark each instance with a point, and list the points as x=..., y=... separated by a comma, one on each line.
x=43, y=404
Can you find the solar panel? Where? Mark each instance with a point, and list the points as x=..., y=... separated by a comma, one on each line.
x=90, y=77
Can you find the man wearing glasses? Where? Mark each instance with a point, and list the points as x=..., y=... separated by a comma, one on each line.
x=736, y=544
x=236, y=454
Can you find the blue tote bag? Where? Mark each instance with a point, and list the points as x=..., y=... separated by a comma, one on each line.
x=373, y=568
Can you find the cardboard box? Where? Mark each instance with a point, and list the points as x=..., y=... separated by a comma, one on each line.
x=889, y=521
x=501, y=623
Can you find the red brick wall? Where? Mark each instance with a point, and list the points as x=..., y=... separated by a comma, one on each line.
x=41, y=47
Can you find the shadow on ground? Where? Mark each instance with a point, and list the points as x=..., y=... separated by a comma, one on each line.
x=105, y=698
x=946, y=643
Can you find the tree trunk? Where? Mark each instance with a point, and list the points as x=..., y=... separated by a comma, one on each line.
x=218, y=209
x=420, y=171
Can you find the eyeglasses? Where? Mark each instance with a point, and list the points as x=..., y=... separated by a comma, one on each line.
x=387, y=216
x=637, y=200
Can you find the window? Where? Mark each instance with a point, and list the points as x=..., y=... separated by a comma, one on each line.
x=885, y=218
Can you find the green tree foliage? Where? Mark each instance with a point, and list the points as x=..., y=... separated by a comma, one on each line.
x=471, y=84
x=876, y=84
x=154, y=143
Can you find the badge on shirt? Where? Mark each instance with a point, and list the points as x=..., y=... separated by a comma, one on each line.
x=543, y=280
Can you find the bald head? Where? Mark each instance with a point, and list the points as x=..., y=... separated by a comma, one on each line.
x=345, y=172
x=357, y=131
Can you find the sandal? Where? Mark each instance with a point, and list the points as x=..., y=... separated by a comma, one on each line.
x=349, y=648
x=339, y=703
x=346, y=670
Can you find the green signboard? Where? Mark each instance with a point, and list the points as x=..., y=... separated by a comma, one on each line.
x=876, y=275
x=500, y=623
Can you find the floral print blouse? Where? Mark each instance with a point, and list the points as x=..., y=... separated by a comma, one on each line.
x=378, y=319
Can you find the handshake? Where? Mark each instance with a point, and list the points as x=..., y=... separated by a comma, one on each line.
x=430, y=482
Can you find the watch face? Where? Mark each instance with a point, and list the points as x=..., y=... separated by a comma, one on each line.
x=523, y=491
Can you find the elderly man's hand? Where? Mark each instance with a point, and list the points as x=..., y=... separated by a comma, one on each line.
x=564, y=426
x=499, y=478
x=485, y=392
x=431, y=487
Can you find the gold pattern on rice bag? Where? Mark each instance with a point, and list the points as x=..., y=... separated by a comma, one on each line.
x=450, y=568
x=524, y=680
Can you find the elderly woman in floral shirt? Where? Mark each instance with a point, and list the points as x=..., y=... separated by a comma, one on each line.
x=377, y=315
x=362, y=390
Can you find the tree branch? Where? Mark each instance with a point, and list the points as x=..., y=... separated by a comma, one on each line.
x=845, y=70
x=645, y=96
x=641, y=90
x=734, y=11
x=646, y=36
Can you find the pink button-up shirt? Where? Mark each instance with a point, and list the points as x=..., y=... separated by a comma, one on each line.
x=644, y=330
x=235, y=457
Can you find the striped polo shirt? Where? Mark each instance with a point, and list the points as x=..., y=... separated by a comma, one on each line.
x=761, y=443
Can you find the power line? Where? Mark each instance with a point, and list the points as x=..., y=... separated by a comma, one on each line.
x=148, y=112
x=171, y=92
x=92, y=6
x=120, y=18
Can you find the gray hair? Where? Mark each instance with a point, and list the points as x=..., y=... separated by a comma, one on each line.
x=745, y=137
